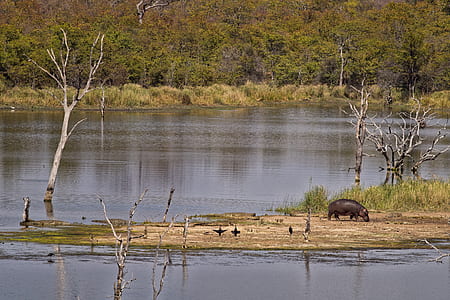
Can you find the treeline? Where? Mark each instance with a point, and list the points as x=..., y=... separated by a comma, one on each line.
x=401, y=45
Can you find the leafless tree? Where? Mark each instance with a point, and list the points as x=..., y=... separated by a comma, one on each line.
x=122, y=246
x=360, y=114
x=158, y=288
x=61, y=62
x=431, y=153
x=145, y=5
x=397, y=141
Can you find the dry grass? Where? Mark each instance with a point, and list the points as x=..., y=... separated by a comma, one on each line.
x=133, y=96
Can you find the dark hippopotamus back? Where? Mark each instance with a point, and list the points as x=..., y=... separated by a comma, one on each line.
x=347, y=207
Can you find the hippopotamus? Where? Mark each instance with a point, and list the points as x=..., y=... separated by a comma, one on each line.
x=347, y=207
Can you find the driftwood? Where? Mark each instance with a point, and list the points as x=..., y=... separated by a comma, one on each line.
x=441, y=256
x=44, y=223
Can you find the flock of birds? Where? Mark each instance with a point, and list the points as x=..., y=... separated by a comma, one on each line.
x=236, y=232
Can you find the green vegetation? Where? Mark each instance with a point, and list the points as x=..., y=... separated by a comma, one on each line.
x=315, y=199
x=408, y=195
x=217, y=52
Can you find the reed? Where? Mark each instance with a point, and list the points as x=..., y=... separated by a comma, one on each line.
x=408, y=195
x=438, y=100
x=134, y=96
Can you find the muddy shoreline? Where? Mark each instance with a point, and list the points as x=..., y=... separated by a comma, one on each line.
x=269, y=232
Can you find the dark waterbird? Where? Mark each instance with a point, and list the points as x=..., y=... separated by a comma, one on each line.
x=290, y=230
x=235, y=231
x=220, y=230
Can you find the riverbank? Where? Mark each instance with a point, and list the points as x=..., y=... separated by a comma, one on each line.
x=385, y=230
x=135, y=97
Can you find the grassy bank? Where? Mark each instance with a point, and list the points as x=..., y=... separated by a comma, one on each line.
x=132, y=96
x=409, y=195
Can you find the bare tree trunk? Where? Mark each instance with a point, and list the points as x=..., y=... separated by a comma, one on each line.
x=58, y=153
x=185, y=231
x=343, y=63
x=169, y=201
x=308, y=226
x=60, y=77
x=26, y=209
x=360, y=129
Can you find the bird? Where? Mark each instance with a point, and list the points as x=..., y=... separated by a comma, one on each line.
x=220, y=230
x=235, y=231
x=290, y=230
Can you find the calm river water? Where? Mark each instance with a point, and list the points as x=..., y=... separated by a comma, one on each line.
x=248, y=160
x=83, y=273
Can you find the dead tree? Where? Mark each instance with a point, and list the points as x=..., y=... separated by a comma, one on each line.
x=61, y=62
x=157, y=289
x=26, y=210
x=307, y=230
x=185, y=231
x=102, y=102
x=431, y=153
x=360, y=113
x=145, y=5
x=397, y=141
x=122, y=246
x=169, y=201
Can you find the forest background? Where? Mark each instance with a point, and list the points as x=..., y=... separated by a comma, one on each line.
x=213, y=52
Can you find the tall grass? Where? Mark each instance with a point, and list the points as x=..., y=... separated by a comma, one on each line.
x=314, y=199
x=409, y=195
x=134, y=96
x=418, y=195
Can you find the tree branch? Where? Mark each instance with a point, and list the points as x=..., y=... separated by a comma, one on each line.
x=145, y=5
x=442, y=254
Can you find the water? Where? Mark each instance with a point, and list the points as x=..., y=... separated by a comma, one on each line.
x=85, y=273
x=248, y=160
x=218, y=161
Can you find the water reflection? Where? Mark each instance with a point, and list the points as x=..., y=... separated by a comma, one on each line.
x=363, y=274
x=217, y=160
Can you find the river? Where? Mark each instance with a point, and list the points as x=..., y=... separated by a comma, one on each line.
x=229, y=160
x=75, y=272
